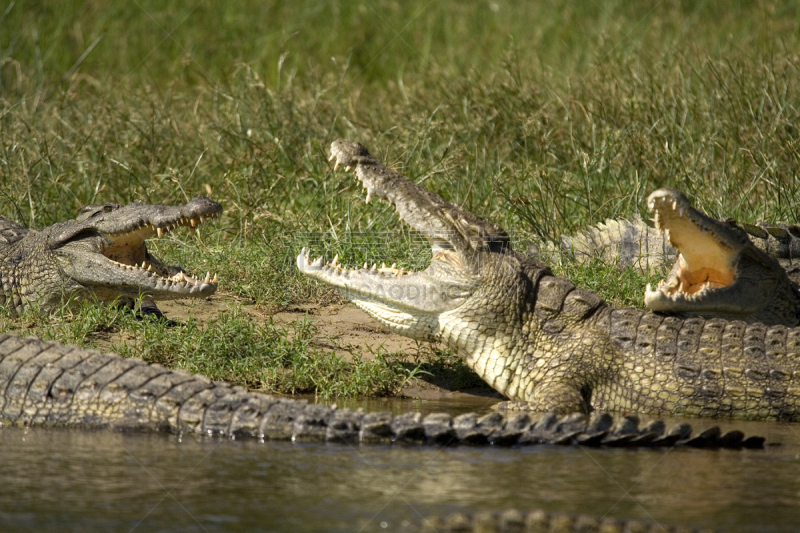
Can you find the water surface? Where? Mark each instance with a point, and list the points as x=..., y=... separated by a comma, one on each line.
x=70, y=480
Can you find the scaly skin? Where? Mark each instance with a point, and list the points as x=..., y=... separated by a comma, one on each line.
x=538, y=339
x=50, y=384
x=621, y=242
x=636, y=242
x=100, y=254
x=515, y=521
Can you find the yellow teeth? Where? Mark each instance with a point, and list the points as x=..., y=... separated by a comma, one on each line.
x=335, y=268
x=149, y=229
x=176, y=278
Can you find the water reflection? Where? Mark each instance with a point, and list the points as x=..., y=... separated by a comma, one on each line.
x=67, y=480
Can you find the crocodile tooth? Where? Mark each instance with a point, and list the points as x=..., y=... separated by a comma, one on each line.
x=347, y=168
x=144, y=264
x=648, y=289
x=150, y=268
x=394, y=265
x=193, y=222
x=159, y=232
x=214, y=280
x=674, y=205
x=317, y=262
x=208, y=277
x=383, y=265
x=336, y=165
x=374, y=266
x=335, y=261
x=369, y=196
x=332, y=157
x=365, y=265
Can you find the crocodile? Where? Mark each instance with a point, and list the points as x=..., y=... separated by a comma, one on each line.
x=101, y=254
x=718, y=271
x=55, y=385
x=720, y=268
x=517, y=521
x=546, y=344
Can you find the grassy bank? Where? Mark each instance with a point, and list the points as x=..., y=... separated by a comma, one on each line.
x=543, y=118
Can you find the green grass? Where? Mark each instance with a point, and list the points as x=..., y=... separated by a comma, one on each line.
x=543, y=117
x=232, y=347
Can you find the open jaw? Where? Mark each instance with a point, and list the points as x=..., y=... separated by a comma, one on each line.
x=406, y=302
x=113, y=259
x=710, y=257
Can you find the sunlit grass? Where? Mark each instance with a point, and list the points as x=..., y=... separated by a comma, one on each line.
x=543, y=127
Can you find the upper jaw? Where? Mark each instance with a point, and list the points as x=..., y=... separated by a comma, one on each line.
x=445, y=225
x=457, y=239
x=708, y=251
x=150, y=220
x=107, y=254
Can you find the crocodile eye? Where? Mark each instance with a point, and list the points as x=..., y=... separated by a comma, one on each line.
x=108, y=208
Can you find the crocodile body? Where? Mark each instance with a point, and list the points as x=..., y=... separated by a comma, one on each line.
x=53, y=385
x=100, y=254
x=542, y=341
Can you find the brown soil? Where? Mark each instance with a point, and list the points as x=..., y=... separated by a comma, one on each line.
x=341, y=327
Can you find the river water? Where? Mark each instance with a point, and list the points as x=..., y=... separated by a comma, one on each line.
x=70, y=480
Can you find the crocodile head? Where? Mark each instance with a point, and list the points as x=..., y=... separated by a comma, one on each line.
x=102, y=253
x=463, y=248
x=718, y=271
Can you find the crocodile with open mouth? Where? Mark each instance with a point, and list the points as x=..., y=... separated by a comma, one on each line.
x=718, y=271
x=100, y=254
x=547, y=344
x=720, y=268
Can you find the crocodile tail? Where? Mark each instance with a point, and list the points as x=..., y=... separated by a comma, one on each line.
x=623, y=243
x=51, y=384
